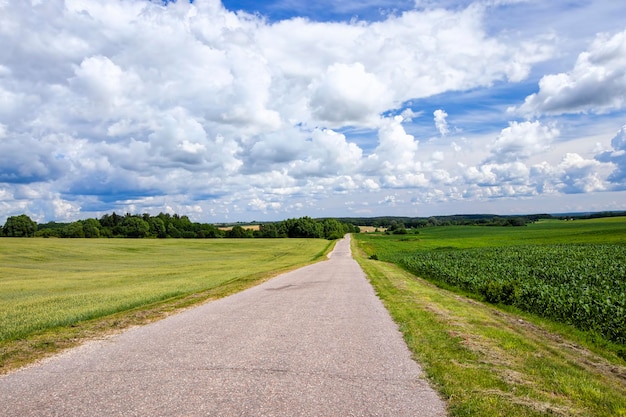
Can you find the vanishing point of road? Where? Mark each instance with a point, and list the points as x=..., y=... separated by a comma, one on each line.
x=312, y=342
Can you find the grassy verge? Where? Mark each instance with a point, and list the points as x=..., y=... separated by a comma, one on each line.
x=55, y=294
x=488, y=362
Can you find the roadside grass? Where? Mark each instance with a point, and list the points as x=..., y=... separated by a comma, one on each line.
x=486, y=361
x=55, y=293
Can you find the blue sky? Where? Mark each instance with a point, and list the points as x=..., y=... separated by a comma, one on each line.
x=324, y=10
x=242, y=110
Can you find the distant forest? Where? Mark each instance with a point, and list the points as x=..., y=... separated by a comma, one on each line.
x=469, y=219
x=173, y=226
x=176, y=226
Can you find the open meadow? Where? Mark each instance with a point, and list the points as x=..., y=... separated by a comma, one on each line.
x=51, y=287
x=524, y=321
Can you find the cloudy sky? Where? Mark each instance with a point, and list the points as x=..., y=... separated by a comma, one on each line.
x=265, y=110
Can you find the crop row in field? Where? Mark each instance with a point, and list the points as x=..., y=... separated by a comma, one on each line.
x=582, y=285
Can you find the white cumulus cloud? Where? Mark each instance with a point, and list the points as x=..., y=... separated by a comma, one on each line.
x=596, y=84
x=348, y=95
x=617, y=158
x=440, y=122
x=519, y=141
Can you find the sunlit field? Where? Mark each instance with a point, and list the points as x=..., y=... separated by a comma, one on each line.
x=47, y=283
x=570, y=271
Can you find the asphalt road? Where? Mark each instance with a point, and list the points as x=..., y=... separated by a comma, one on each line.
x=312, y=342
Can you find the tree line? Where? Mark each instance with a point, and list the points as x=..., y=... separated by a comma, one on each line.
x=165, y=225
x=398, y=223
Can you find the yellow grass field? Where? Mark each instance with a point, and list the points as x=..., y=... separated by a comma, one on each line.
x=52, y=287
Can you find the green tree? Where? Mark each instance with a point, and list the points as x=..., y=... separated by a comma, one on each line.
x=19, y=226
x=50, y=229
x=74, y=230
x=270, y=230
x=157, y=227
x=111, y=225
x=172, y=231
x=334, y=229
x=48, y=232
x=135, y=227
x=181, y=223
x=206, y=231
x=91, y=228
x=239, y=232
x=111, y=220
x=305, y=227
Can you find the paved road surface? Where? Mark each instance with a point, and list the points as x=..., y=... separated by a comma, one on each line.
x=312, y=342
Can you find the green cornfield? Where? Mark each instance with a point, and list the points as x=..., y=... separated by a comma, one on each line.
x=578, y=284
x=581, y=284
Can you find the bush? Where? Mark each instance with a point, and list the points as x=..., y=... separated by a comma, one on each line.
x=335, y=236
